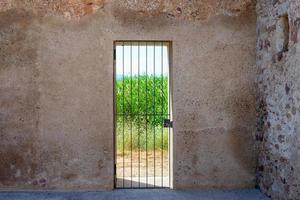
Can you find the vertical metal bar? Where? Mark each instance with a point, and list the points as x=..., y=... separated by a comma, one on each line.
x=139, y=113
x=115, y=115
x=146, y=114
x=162, y=111
x=169, y=106
x=123, y=115
x=154, y=111
x=131, y=115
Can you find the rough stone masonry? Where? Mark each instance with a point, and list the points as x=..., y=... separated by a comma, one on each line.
x=278, y=61
x=56, y=110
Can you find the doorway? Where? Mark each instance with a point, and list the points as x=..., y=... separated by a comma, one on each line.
x=143, y=114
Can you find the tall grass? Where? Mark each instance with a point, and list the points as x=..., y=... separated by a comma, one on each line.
x=141, y=140
x=141, y=105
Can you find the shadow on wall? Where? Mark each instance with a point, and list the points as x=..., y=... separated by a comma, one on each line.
x=241, y=136
x=19, y=99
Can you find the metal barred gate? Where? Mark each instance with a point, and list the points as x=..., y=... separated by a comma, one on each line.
x=142, y=114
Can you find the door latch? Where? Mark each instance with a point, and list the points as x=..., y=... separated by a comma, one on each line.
x=168, y=123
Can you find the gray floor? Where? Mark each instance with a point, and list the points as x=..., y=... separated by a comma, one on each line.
x=155, y=194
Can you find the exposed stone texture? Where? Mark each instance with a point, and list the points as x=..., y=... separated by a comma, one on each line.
x=193, y=9
x=56, y=84
x=67, y=8
x=278, y=60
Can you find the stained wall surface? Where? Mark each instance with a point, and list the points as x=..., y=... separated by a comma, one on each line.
x=56, y=96
x=278, y=53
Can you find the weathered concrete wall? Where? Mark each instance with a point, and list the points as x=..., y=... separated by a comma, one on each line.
x=278, y=54
x=56, y=88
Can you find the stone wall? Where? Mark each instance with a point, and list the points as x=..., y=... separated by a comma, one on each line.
x=56, y=91
x=278, y=60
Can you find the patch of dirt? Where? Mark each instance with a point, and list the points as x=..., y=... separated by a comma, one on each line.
x=143, y=164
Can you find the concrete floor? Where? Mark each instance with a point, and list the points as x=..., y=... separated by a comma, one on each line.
x=153, y=194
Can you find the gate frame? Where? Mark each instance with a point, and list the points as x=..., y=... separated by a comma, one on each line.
x=171, y=129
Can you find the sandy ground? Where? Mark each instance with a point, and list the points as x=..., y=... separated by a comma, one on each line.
x=143, y=170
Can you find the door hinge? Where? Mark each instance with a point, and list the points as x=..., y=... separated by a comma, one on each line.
x=168, y=123
x=115, y=54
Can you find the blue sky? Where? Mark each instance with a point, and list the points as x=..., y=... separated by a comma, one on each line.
x=133, y=55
